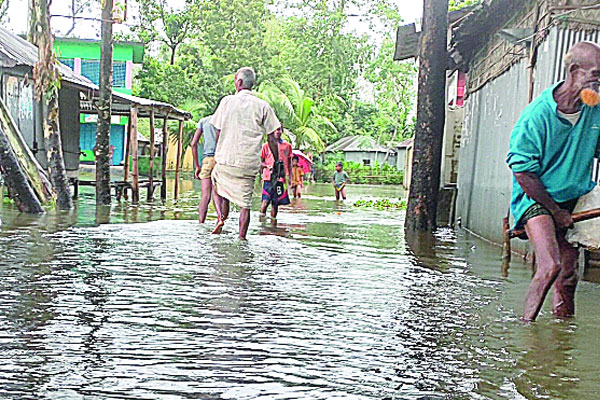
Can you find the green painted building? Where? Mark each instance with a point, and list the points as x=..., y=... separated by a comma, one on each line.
x=83, y=57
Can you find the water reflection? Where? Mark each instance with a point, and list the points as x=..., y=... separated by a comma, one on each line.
x=328, y=301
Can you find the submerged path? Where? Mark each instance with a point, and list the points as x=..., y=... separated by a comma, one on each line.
x=330, y=303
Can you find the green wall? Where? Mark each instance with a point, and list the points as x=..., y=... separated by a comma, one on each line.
x=90, y=50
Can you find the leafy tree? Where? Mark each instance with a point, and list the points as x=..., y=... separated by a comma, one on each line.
x=394, y=92
x=311, y=47
x=78, y=8
x=296, y=111
x=158, y=21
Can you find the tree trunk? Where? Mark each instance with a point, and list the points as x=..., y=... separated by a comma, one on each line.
x=47, y=82
x=102, y=150
x=422, y=200
x=21, y=191
x=173, y=51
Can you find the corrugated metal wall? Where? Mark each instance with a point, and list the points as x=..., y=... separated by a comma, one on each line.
x=484, y=182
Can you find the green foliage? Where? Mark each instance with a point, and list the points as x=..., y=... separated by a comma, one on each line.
x=454, y=5
x=144, y=165
x=297, y=113
x=394, y=92
x=359, y=173
x=324, y=81
x=381, y=204
x=3, y=8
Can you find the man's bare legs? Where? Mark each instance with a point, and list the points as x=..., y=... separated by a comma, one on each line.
x=244, y=222
x=205, y=199
x=222, y=207
x=563, y=299
x=555, y=257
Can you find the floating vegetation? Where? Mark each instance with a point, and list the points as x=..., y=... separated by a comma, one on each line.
x=382, y=204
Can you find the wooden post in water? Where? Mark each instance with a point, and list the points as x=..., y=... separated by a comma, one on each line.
x=127, y=151
x=163, y=172
x=135, y=173
x=127, y=155
x=151, y=164
x=178, y=161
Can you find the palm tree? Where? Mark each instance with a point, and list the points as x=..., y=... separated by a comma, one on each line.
x=297, y=113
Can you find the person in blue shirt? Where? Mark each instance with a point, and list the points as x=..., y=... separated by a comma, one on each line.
x=552, y=148
x=203, y=171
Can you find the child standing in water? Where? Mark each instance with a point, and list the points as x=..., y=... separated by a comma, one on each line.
x=340, y=180
x=297, y=178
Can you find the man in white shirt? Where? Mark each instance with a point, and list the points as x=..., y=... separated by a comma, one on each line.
x=241, y=120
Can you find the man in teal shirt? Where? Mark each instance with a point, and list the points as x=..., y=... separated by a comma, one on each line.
x=551, y=151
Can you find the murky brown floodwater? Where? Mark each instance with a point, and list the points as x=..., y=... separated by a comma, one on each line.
x=331, y=303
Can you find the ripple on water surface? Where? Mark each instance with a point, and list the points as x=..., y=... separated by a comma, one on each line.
x=325, y=305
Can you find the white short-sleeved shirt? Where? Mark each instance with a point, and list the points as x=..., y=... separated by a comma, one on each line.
x=243, y=119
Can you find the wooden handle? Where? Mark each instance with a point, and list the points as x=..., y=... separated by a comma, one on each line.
x=577, y=217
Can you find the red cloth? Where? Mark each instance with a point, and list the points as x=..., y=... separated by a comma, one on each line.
x=285, y=152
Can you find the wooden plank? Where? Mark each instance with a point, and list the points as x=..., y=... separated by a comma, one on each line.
x=34, y=171
x=163, y=187
x=178, y=161
x=151, y=164
x=135, y=173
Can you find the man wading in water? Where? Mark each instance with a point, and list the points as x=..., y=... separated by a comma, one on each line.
x=551, y=152
x=241, y=121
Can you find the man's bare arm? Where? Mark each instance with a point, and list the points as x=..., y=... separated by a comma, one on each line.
x=534, y=188
x=194, y=144
x=273, y=145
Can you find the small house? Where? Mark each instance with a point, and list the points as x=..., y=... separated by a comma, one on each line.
x=509, y=51
x=17, y=58
x=404, y=157
x=83, y=57
x=77, y=95
x=363, y=150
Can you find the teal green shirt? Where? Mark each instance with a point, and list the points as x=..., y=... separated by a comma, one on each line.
x=340, y=178
x=560, y=154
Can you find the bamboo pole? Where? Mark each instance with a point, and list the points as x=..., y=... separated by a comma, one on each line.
x=135, y=173
x=150, y=192
x=163, y=172
x=577, y=217
x=178, y=161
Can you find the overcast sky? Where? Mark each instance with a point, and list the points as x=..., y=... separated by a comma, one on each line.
x=17, y=18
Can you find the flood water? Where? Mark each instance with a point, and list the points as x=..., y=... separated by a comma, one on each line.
x=331, y=303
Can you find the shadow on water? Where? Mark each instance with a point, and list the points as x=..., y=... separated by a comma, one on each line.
x=328, y=301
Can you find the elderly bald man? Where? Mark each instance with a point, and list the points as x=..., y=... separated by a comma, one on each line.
x=241, y=120
x=552, y=148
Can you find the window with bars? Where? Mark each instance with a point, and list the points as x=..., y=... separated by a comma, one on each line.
x=69, y=62
x=91, y=70
x=119, y=73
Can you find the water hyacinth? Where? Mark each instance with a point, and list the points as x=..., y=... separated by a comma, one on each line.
x=382, y=204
